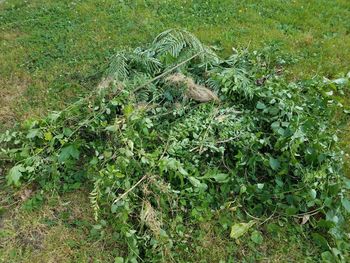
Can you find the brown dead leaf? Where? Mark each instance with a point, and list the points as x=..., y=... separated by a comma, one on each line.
x=26, y=194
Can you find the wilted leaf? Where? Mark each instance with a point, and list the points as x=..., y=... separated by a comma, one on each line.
x=26, y=194
x=238, y=230
x=305, y=219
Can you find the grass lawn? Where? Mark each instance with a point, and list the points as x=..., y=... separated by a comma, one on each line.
x=53, y=52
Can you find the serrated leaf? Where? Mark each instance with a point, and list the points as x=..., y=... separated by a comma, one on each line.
x=238, y=230
x=68, y=152
x=15, y=175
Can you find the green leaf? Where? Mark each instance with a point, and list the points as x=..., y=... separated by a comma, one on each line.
x=119, y=260
x=347, y=183
x=239, y=229
x=34, y=133
x=48, y=136
x=172, y=164
x=320, y=240
x=67, y=132
x=313, y=193
x=274, y=163
x=256, y=237
x=128, y=109
x=15, y=175
x=291, y=210
x=194, y=181
x=327, y=256
x=182, y=171
x=197, y=184
x=114, y=208
x=67, y=152
x=260, y=105
x=346, y=204
x=260, y=186
x=218, y=177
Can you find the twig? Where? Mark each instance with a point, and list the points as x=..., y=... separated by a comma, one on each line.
x=310, y=213
x=227, y=140
x=129, y=190
x=270, y=217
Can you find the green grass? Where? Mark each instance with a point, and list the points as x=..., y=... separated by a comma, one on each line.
x=53, y=52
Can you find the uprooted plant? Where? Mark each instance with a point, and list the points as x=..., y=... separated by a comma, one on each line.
x=174, y=134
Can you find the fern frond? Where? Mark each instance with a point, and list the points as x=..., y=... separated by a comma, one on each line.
x=118, y=68
x=145, y=60
x=94, y=196
x=174, y=42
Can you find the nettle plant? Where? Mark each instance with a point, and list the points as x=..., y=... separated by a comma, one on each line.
x=174, y=134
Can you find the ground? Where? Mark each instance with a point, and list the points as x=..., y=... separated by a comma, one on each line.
x=53, y=52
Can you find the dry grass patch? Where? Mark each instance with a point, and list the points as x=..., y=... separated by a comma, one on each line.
x=58, y=231
x=11, y=94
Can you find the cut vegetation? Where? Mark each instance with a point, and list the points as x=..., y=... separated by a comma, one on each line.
x=174, y=151
x=176, y=137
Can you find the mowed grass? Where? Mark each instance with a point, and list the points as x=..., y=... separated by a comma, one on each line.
x=53, y=52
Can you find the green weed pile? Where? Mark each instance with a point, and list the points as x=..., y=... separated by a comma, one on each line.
x=175, y=136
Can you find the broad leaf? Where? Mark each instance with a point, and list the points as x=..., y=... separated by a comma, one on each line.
x=256, y=237
x=260, y=105
x=15, y=175
x=346, y=204
x=67, y=152
x=274, y=163
x=238, y=230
